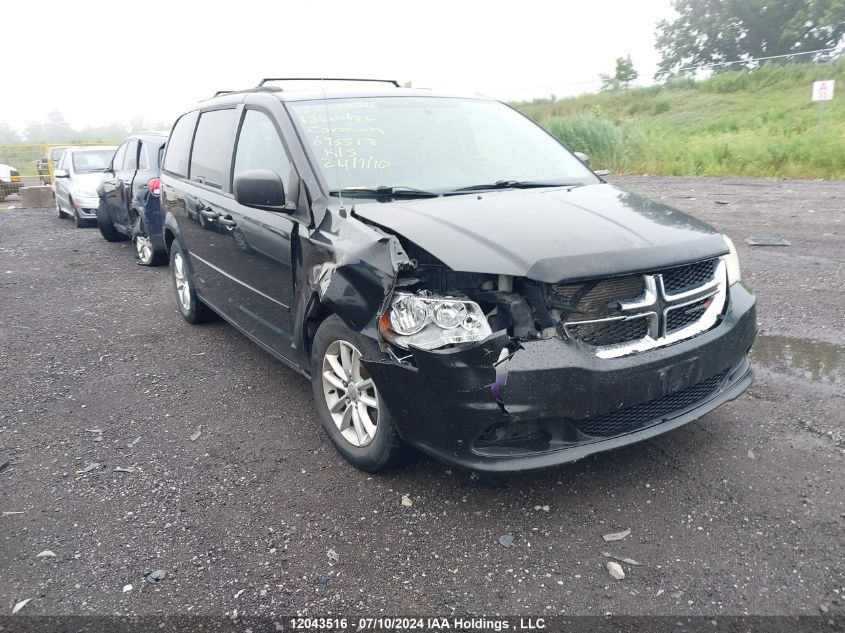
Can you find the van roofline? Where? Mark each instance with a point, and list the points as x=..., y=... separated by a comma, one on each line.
x=312, y=94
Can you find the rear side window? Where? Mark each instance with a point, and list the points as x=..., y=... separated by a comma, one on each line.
x=131, y=162
x=179, y=145
x=259, y=146
x=150, y=155
x=212, y=148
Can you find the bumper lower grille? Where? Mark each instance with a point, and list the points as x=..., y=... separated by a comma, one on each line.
x=639, y=415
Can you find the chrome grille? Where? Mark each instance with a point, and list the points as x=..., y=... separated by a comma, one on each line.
x=611, y=332
x=629, y=314
x=653, y=411
x=679, y=318
x=681, y=278
x=590, y=300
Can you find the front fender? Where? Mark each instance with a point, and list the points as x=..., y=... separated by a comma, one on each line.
x=347, y=268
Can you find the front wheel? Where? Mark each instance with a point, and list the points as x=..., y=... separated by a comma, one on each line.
x=193, y=310
x=106, y=226
x=352, y=413
x=78, y=221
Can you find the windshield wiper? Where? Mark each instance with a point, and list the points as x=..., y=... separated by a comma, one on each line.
x=516, y=184
x=385, y=192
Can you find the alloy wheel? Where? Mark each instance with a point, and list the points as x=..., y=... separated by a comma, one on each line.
x=183, y=286
x=144, y=248
x=350, y=394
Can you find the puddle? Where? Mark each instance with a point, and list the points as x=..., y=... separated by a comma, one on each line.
x=811, y=360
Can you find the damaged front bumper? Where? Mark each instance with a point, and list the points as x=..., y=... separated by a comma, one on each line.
x=553, y=401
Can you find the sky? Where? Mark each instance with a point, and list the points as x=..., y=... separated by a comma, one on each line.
x=100, y=62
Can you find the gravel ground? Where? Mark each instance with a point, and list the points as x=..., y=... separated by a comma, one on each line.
x=236, y=493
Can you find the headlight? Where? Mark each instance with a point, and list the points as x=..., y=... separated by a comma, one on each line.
x=732, y=262
x=432, y=322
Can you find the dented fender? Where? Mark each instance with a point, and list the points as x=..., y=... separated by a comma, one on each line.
x=349, y=269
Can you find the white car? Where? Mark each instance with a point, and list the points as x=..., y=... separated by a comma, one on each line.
x=77, y=176
x=10, y=181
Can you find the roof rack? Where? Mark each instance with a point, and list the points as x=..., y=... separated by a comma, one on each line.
x=384, y=81
x=256, y=89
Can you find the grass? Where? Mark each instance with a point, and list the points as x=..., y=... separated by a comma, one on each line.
x=746, y=123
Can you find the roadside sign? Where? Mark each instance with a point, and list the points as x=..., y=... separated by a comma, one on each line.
x=823, y=90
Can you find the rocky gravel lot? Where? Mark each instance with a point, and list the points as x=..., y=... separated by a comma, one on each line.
x=136, y=442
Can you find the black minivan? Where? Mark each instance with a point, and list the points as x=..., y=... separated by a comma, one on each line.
x=448, y=275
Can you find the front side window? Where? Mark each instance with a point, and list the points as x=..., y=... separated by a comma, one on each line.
x=119, y=158
x=131, y=162
x=259, y=147
x=212, y=148
x=92, y=160
x=179, y=145
x=430, y=143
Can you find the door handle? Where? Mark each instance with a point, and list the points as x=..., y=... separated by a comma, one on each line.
x=211, y=214
x=227, y=221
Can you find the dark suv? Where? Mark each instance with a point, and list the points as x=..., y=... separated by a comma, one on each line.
x=129, y=197
x=449, y=276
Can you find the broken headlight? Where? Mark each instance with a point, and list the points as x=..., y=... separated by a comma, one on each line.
x=432, y=322
x=732, y=262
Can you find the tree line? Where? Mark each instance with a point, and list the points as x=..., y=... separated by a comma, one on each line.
x=732, y=34
x=56, y=130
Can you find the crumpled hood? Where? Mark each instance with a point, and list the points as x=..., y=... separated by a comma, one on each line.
x=549, y=234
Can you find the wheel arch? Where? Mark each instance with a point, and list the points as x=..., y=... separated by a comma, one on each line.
x=171, y=233
x=315, y=313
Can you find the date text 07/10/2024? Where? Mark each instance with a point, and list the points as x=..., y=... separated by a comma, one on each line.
x=418, y=624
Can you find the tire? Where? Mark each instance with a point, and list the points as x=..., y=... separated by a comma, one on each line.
x=146, y=253
x=106, y=226
x=192, y=309
x=62, y=215
x=371, y=448
x=77, y=221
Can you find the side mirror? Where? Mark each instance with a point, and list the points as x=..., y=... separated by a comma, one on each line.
x=61, y=173
x=583, y=158
x=260, y=188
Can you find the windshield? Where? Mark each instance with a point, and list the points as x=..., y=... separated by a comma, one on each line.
x=431, y=144
x=92, y=160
